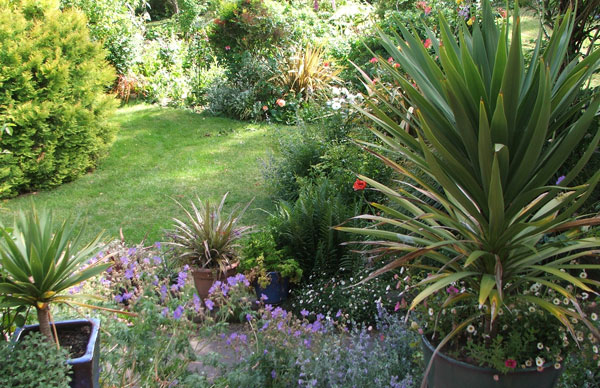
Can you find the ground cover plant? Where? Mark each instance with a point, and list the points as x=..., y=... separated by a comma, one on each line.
x=161, y=155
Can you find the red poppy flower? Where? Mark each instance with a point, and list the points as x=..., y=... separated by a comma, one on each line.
x=427, y=43
x=510, y=363
x=359, y=185
x=373, y=60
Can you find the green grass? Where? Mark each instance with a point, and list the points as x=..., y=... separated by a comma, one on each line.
x=160, y=154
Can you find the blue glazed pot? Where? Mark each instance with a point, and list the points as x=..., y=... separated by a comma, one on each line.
x=277, y=291
x=85, y=370
x=447, y=372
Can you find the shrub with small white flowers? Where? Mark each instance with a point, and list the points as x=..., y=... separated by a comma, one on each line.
x=345, y=295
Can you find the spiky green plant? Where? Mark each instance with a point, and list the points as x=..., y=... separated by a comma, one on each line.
x=39, y=261
x=207, y=237
x=492, y=131
x=307, y=73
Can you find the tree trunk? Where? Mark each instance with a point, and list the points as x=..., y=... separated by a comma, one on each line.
x=44, y=320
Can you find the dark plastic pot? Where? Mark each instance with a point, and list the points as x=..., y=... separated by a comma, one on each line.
x=447, y=372
x=85, y=371
x=277, y=291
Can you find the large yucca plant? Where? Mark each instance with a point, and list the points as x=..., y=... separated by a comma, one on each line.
x=492, y=129
x=39, y=261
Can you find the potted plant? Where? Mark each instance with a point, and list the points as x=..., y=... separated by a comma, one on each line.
x=206, y=240
x=480, y=219
x=39, y=262
x=267, y=269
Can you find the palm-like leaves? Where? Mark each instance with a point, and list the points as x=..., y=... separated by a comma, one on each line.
x=306, y=73
x=39, y=262
x=492, y=131
x=207, y=237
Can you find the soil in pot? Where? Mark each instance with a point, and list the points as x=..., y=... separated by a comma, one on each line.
x=73, y=338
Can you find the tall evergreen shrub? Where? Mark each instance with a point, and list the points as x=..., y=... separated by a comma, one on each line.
x=53, y=105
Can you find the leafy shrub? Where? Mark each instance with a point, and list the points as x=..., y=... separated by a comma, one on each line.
x=33, y=362
x=260, y=256
x=246, y=25
x=53, y=100
x=245, y=90
x=303, y=230
x=165, y=75
x=114, y=24
x=323, y=149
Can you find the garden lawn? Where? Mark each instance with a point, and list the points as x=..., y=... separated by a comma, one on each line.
x=162, y=154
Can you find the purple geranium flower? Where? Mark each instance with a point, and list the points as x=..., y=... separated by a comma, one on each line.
x=178, y=312
x=209, y=304
x=304, y=313
x=197, y=304
x=560, y=179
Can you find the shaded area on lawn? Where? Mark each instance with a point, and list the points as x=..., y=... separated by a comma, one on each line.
x=161, y=154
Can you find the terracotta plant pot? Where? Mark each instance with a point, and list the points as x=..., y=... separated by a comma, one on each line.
x=85, y=370
x=447, y=372
x=204, y=278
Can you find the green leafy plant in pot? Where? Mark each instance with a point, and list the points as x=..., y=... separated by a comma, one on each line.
x=480, y=219
x=266, y=267
x=207, y=240
x=39, y=263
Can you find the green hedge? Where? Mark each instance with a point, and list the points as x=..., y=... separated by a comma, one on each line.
x=54, y=109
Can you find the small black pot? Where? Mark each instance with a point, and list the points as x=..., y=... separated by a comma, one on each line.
x=85, y=370
x=447, y=372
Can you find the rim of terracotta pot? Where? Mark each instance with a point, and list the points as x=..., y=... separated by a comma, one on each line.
x=211, y=270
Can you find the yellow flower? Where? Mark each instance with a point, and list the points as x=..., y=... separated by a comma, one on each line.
x=471, y=21
x=459, y=2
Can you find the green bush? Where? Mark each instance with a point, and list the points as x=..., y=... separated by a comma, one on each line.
x=53, y=101
x=323, y=150
x=247, y=25
x=243, y=91
x=164, y=71
x=303, y=230
x=33, y=363
x=114, y=24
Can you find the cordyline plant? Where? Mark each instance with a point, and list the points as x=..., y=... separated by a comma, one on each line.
x=38, y=262
x=207, y=238
x=307, y=73
x=492, y=131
